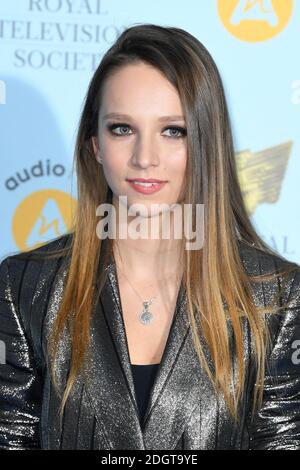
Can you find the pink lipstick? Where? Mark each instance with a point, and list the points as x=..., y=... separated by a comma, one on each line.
x=146, y=186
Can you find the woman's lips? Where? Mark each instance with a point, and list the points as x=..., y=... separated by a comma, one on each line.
x=154, y=188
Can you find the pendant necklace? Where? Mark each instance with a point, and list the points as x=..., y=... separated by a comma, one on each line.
x=145, y=316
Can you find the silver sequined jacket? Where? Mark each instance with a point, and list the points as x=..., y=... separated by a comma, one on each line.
x=101, y=412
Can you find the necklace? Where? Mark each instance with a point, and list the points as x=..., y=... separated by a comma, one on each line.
x=145, y=316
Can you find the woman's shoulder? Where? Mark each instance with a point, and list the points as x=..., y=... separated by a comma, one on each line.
x=258, y=260
x=262, y=262
x=57, y=246
x=25, y=272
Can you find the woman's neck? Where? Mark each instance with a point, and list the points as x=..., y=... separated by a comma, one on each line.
x=146, y=259
x=148, y=256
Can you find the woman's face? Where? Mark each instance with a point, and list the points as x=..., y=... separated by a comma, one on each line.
x=144, y=142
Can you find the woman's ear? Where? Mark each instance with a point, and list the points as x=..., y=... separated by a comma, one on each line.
x=96, y=149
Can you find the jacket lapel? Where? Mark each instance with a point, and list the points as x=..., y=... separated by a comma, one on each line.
x=181, y=400
x=175, y=391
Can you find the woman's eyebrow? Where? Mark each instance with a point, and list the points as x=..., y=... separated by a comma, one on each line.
x=173, y=117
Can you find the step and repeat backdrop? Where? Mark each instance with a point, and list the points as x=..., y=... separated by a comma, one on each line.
x=49, y=50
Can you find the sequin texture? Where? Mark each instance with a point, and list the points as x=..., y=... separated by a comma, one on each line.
x=101, y=413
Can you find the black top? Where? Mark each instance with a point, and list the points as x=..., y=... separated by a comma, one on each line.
x=143, y=376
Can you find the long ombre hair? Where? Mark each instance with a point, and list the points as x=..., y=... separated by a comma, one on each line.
x=218, y=288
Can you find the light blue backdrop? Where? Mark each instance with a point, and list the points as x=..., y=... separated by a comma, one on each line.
x=48, y=51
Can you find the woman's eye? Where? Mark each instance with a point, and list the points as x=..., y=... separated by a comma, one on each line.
x=118, y=126
x=177, y=129
x=176, y=132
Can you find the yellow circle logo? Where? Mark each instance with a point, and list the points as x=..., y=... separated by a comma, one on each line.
x=255, y=20
x=41, y=216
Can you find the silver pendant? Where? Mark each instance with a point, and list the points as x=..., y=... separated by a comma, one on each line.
x=146, y=316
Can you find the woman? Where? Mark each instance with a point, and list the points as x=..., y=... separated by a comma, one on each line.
x=121, y=342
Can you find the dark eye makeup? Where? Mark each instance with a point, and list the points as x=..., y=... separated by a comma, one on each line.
x=111, y=127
